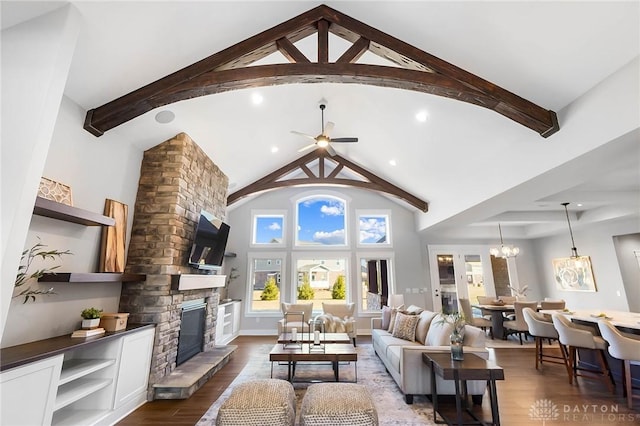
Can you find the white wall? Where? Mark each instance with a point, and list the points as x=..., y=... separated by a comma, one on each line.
x=628, y=253
x=408, y=259
x=36, y=57
x=96, y=169
x=596, y=241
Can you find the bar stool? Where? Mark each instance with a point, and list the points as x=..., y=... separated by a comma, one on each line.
x=625, y=349
x=541, y=329
x=573, y=337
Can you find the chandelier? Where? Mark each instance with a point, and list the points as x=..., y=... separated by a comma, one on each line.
x=504, y=251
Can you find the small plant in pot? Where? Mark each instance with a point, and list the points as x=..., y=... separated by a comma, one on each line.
x=91, y=318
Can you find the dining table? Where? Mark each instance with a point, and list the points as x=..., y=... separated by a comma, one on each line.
x=497, y=316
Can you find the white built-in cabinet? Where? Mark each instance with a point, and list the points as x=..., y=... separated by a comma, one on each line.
x=96, y=382
x=228, y=322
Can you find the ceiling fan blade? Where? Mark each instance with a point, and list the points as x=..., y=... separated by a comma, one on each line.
x=328, y=128
x=344, y=140
x=307, y=147
x=303, y=134
x=330, y=150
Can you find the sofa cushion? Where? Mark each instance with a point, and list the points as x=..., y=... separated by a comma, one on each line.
x=422, y=328
x=405, y=326
x=439, y=332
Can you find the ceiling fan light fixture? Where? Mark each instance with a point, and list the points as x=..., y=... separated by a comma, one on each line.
x=322, y=141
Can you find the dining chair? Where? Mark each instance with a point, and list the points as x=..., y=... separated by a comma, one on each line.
x=519, y=325
x=479, y=322
x=541, y=329
x=552, y=304
x=625, y=349
x=573, y=336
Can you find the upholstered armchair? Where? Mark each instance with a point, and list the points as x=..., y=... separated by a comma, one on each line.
x=293, y=318
x=338, y=318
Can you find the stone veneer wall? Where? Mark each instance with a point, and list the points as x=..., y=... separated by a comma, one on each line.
x=177, y=181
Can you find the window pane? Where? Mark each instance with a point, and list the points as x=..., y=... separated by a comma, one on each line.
x=266, y=285
x=375, y=284
x=321, y=221
x=373, y=229
x=321, y=280
x=268, y=229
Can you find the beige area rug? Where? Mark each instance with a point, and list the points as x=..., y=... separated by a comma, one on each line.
x=389, y=401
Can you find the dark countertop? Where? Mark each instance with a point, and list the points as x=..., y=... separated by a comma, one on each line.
x=16, y=356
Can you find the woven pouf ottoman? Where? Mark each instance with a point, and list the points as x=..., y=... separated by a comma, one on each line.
x=258, y=403
x=330, y=404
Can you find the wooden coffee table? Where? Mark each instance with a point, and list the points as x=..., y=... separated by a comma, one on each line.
x=335, y=353
x=471, y=368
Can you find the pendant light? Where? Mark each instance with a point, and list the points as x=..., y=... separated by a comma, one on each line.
x=574, y=250
x=504, y=251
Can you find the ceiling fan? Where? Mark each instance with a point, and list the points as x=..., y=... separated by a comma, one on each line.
x=323, y=140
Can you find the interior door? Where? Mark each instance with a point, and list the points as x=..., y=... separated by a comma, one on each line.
x=459, y=272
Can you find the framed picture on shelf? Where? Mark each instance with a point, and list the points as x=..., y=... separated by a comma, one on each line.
x=574, y=274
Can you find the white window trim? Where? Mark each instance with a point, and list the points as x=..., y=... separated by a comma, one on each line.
x=251, y=256
x=374, y=212
x=268, y=213
x=311, y=194
x=388, y=255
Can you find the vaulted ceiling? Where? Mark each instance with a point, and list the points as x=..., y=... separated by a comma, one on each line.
x=475, y=167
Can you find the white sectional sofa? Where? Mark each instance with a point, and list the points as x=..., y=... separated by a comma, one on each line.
x=403, y=358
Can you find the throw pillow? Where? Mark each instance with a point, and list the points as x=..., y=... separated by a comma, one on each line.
x=386, y=317
x=405, y=326
x=392, y=318
x=414, y=309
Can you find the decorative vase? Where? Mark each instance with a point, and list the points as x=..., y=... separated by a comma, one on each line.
x=88, y=324
x=457, y=353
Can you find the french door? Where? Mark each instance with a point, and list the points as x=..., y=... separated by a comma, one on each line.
x=459, y=272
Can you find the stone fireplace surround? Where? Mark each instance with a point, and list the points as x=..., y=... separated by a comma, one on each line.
x=177, y=181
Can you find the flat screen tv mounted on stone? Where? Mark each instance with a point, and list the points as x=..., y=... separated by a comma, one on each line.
x=209, y=242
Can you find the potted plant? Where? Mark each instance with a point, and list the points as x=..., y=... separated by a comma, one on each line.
x=24, y=278
x=91, y=318
x=458, y=321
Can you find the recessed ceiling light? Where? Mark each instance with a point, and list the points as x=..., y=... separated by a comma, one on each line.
x=393, y=162
x=422, y=116
x=274, y=149
x=165, y=116
x=579, y=204
x=257, y=98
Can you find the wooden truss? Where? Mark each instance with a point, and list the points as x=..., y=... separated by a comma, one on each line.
x=229, y=70
x=320, y=168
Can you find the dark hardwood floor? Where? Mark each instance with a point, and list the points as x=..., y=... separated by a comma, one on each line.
x=588, y=402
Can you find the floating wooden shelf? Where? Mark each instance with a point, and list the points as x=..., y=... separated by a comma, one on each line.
x=97, y=277
x=55, y=210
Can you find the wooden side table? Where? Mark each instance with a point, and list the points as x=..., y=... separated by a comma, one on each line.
x=471, y=368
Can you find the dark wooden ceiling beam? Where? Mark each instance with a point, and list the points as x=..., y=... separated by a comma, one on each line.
x=354, y=53
x=230, y=67
x=323, y=42
x=370, y=181
x=291, y=52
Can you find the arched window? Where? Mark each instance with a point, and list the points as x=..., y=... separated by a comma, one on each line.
x=321, y=221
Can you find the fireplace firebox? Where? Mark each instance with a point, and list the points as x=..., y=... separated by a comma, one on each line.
x=191, y=335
